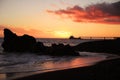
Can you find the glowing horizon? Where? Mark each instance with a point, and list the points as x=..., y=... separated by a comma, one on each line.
x=61, y=19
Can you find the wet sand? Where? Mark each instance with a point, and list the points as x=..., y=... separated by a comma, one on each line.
x=105, y=70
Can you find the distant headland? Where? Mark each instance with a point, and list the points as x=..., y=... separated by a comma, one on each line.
x=93, y=38
x=72, y=37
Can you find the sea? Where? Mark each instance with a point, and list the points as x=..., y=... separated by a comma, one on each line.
x=13, y=65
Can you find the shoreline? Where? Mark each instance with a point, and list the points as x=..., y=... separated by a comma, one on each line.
x=104, y=70
x=63, y=71
x=108, y=69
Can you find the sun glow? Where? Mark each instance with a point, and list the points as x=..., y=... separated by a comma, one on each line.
x=62, y=34
x=61, y=18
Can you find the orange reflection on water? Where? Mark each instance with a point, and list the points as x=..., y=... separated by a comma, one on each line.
x=60, y=64
x=76, y=62
x=2, y=76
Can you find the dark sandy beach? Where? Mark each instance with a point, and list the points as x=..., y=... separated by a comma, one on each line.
x=105, y=70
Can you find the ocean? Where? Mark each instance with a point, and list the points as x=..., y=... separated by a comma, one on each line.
x=20, y=65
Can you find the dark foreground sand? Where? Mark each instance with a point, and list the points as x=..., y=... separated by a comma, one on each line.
x=105, y=70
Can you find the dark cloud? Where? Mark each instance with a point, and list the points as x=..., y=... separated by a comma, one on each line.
x=99, y=13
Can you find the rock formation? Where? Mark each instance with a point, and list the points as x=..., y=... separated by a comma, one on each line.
x=72, y=37
x=62, y=49
x=14, y=43
x=104, y=46
x=26, y=43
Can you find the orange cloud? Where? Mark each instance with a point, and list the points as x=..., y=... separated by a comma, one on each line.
x=96, y=13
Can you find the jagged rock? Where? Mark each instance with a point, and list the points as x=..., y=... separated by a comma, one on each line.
x=62, y=49
x=26, y=43
x=39, y=47
x=14, y=43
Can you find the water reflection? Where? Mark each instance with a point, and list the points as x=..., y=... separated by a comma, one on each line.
x=75, y=62
x=59, y=65
x=2, y=76
x=39, y=64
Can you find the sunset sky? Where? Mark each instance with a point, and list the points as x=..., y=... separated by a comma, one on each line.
x=61, y=18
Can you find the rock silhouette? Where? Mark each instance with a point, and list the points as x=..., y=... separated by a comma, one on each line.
x=62, y=49
x=72, y=37
x=14, y=43
x=40, y=48
x=107, y=46
x=27, y=43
